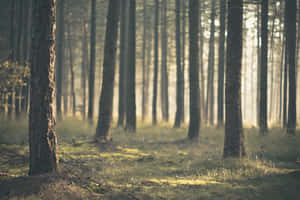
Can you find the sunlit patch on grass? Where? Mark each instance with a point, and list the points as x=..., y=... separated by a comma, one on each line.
x=184, y=181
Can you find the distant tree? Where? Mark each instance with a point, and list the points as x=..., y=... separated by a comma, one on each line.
x=234, y=136
x=107, y=92
x=179, y=71
x=84, y=68
x=209, y=111
x=264, y=69
x=221, y=63
x=131, y=104
x=155, y=76
x=123, y=61
x=144, y=73
x=194, y=126
x=59, y=55
x=164, y=69
x=42, y=138
x=92, y=62
x=291, y=10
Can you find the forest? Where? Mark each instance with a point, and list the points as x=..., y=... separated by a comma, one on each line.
x=149, y=99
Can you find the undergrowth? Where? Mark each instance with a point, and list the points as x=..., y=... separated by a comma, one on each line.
x=154, y=163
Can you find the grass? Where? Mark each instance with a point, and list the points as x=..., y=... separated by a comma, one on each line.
x=154, y=163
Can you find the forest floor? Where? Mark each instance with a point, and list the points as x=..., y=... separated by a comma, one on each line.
x=154, y=163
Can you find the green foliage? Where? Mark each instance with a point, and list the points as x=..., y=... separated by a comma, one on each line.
x=159, y=163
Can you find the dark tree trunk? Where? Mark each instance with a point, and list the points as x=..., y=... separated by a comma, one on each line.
x=155, y=76
x=123, y=61
x=285, y=75
x=144, y=95
x=179, y=72
x=194, y=126
x=202, y=86
x=26, y=28
x=71, y=71
x=183, y=59
x=211, y=65
x=291, y=47
x=84, y=68
x=107, y=92
x=59, y=56
x=42, y=138
x=164, y=71
x=221, y=63
x=234, y=136
x=19, y=55
x=131, y=104
x=11, y=55
x=92, y=63
x=258, y=64
x=263, y=127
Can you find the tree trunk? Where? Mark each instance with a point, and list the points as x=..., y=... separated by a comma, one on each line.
x=144, y=60
x=42, y=138
x=234, y=136
x=183, y=59
x=194, y=126
x=84, y=66
x=11, y=56
x=164, y=71
x=202, y=86
x=263, y=120
x=123, y=61
x=221, y=63
x=258, y=65
x=179, y=75
x=72, y=71
x=291, y=46
x=155, y=76
x=107, y=92
x=131, y=104
x=59, y=56
x=92, y=63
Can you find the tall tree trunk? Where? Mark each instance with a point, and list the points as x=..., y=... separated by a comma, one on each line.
x=123, y=61
x=234, y=136
x=258, y=64
x=19, y=56
x=84, y=66
x=107, y=92
x=285, y=75
x=92, y=63
x=164, y=71
x=183, y=59
x=194, y=126
x=291, y=46
x=59, y=56
x=179, y=75
x=42, y=138
x=155, y=76
x=221, y=63
x=11, y=56
x=144, y=95
x=131, y=104
x=202, y=86
x=263, y=120
x=211, y=66
x=71, y=71
x=24, y=100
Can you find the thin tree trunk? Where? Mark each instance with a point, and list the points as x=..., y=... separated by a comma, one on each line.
x=123, y=61
x=221, y=63
x=72, y=71
x=258, y=64
x=131, y=104
x=234, y=136
x=291, y=46
x=164, y=70
x=202, y=86
x=183, y=60
x=263, y=109
x=144, y=60
x=107, y=92
x=84, y=66
x=42, y=138
x=92, y=63
x=155, y=78
x=179, y=81
x=194, y=126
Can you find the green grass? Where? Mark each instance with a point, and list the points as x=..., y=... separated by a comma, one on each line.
x=155, y=163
